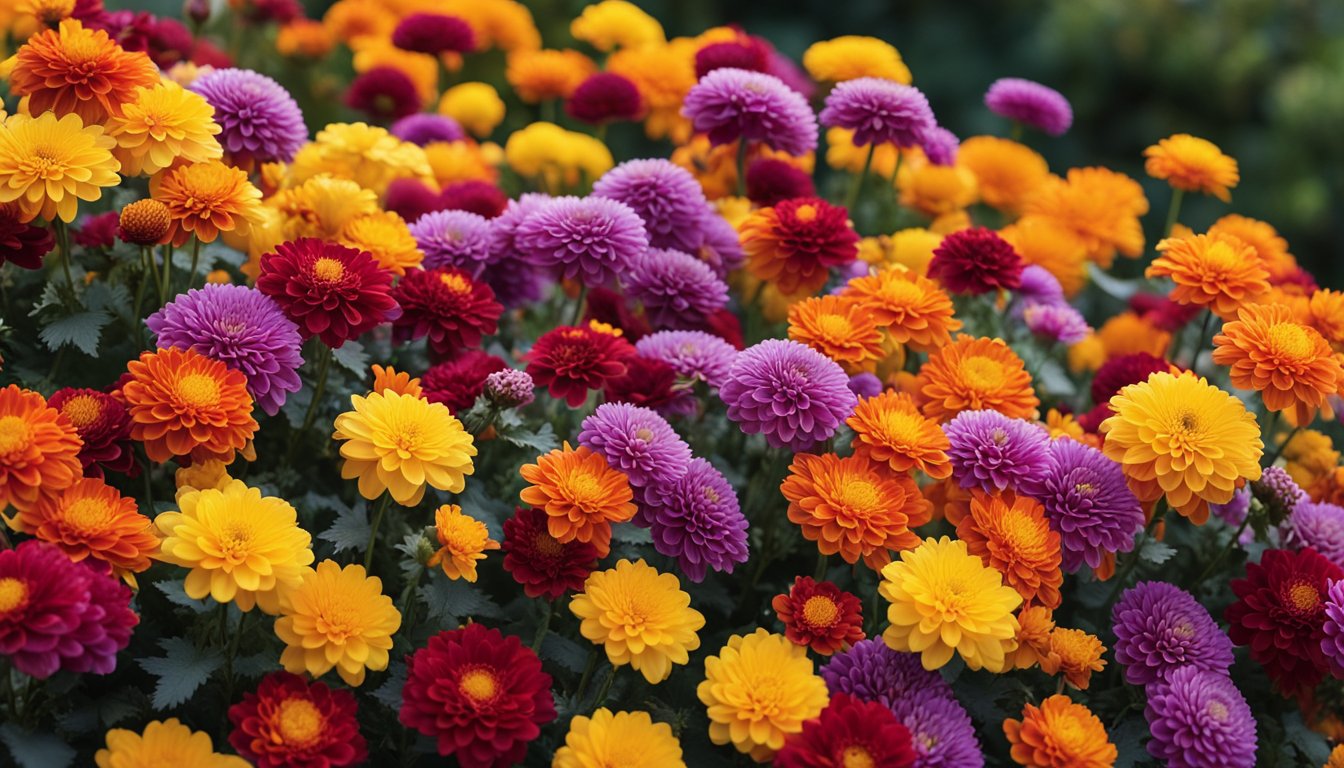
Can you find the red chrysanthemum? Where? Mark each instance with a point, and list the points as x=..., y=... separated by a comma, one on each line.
x=384, y=94
x=105, y=427
x=745, y=52
x=771, y=180
x=610, y=307
x=849, y=732
x=647, y=382
x=480, y=693
x=726, y=326
x=570, y=360
x=21, y=244
x=458, y=381
x=410, y=199
x=97, y=231
x=819, y=615
x=975, y=261
x=475, y=195
x=1280, y=614
x=434, y=33
x=795, y=243
x=604, y=97
x=543, y=565
x=447, y=306
x=329, y=290
x=1119, y=372
x=1162, y=312
x=289, y=723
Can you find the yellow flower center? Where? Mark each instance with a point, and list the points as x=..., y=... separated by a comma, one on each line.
x=198, y=390
x=805, y=212
x=950, y=599
x=82, y=410
x=855, y=756
x=13, y=594
x=87, y=515
x=585, y=490
x=982, y=373
x=455, y=282
x=1220, y=258
x=407, y=438
x=1304, y=597
x=1217, y=710
x=644, y=433
x=858, y=496
x=338, y=620
x=44, y=163
x=1290, y=340
x=479, y=685
x=547, y=545
x=300, y=722
x=1183, y=629
x=328, y=270
x=836, y=328
x=901, y=293
x=235, y=540
x=1017, y=530
x=1067, y=730
x=820, y=611
x=14, y=435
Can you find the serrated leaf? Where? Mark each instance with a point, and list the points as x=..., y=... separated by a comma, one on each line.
x=176, y=595
x=565, y=652
x=452, y=601
x=542, y=440
x=389, y=693
x=103, y=296
x=255, y=665
x=180, y=671
x=1309, y=743
x=1157, y=552
x=352, y=357
x=80, y=330
x=1128, y=738
x=631, y=534
x=35, y=750
x=350, y=530
x=120, y=706
x=490, y=510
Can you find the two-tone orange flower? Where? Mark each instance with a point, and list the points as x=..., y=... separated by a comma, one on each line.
x=77, y=70
x=1215, y=271
x=1075, y=654
x=581, y=495
x=387, y=378
x=889, y=428
x=912, y=309
x=1011, y=535
x=1192, y=164
x=1291, y=365
x=839, y=328
x=182, y=403
x=205, y=199
x=39, y=449
x=974, y=375
x=1059, y=733
x=93, y=519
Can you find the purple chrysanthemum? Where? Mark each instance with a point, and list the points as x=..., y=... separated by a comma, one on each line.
x=510, y=388
x=1278, y=493
x=693, y=355
x=789, y=392
x=879, y=111
x=1234, y=511
x=1332, y=643
x=865, y=385
x=996, y=453
x=590, y=239
x=676, y=289
x=636, y=441
x=1038, y=286
x=1056, y=322
x=731, y=104
x=422, y=128
x=454, y=239
x=515, y=280
x=943, y=734
x=665, y=195
x=1319, y=526
x=720, y=245
x=1160, y=628
x=1199, y=719
x=1030, y=103
x=697, y=520
x=260, y=121
x=1088, y=502
x=241, y=327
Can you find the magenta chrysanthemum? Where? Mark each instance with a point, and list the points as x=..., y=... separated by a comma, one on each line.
x=1319, y=526
x=789, y=392
x=1037, y=286
x=995, y=453
x=382, y=94
x=605, y=97
x=771, y=180
x=1159, y=628
x=636, y=441
x=736, y=104
x=423, y=128
x=434, y=33
x=879, y=111
x=1199, y=719
x=697, y=519
x=1088, y=502
x=693, y=355
x=676, y=289
x=940, y=145
x=1056, y=322
x=260, y=121
x=665, y=195
x=1332, y=642
x=591, y=239
x=1030, y=103
x=453, y=239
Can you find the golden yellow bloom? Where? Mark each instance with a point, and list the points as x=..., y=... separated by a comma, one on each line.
x=477, y=107
x=459, y=161
x=1268, y=244
x=336, y=618
x=46, y=12
x=934, y=190
x=383, y=234
x=1006, y=172
x=1075, y=654
x=613, y=24
x=1336, y=757
x=463, y=541
x=218, y=277
x=911, y=248
x=304, y=38
x=555, y=155
x=625, y=739
x=48, y=164
x=357, y=23
x=1325, y=313
x=1101, y=207
x=853, y=56
x=1192, y=164
x=164, y=125
x=1309, y=456
x=321, y=207
x=1063, y=425
x=1087, y=355
x=1053, y=247
x=543, y=75
x=503, y=24
x=1127, y=334
x=1219, y=272
x=205, y=199
x=163, y=743
x=1059, y=734
x=365, y=154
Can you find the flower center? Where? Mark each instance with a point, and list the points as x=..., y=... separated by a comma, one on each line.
x=82, y=410
x=585, y=489
x=1304, y=597
x=644, y=433
x=1217, y=710
x=13, y=594
x=338, y=620
x=855, y=756
x=407, y=439
x=14, y=435
x=805, y=212
x=86, y=514
x=1017, y=531
x=858, y=496
x=901, y=293
x=820, y=611
x=198, y=390
x=328, y=270
x=982, y=373
x=547, y=545
x=455, y=282
x=235, y=540
x=300, y=722
x=1290, y=340
x=836, y=328
x=479, y=685
x=1183, y=629
x=43, y=164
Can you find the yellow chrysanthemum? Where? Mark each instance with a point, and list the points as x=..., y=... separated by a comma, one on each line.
x=400, y=444
x=358, y=23
x=760, y=689
x=241, y=547
x=462, y=161
x=202, y=476
x=48, y=164
x=321, y=207
x=1059, y=734
x=944, y=600
x=503, y=24
x=555, y=155
x=365, y=154
x=1088, y=355
x=1007, y=173
x=1127, y=333
x=1192, y=164
x=853, y=56
x=163, y=743
x=910, y=249
x=463, y=542
x=477, y=107
x=613, y=24
x=336, y=618
x=1309, y=456
x=1034, y=625
x=383, y=234
x=625, y=739
x=934, y=190
x=641, y=617
x=165, y=124
x=1181, y=436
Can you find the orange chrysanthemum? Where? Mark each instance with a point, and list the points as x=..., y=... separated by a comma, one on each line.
x=1034, y=625
x=182, y=403
x=1291, y=365
x=1215, y=271
x=73, y=69
x=973, y=375
x=1192, y=164
x=581, y=495
x=1059, y=734
x=852, y=507
x=1007, y=172
x=389, y=378
x=794, y=244
x=912, y=309
x=1051, y=246
x=1011, y=535
x=39, y=449
x=1098, y=205
x=889, y=428
x=205, y=199
x=1268, y=244
x=543, y=75
x=1128, y=334
x=1325, y=313
x=839, y=328
x=1074, y=654
x=93, y=519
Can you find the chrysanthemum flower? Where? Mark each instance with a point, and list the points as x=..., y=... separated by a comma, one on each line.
x=889, y=428
x=383, y=94
x=49, y=164
x=627, y=739
x=426, y=128
x=205, y=199
x=542, y=75
x=92, y=519
x=463, y=541
x=571, y=360
x=975, y=374
x=666, y=196
x=613, y=24
x=841, y=328
x=481, y=694
x=1308, y=456
x=736, y=104
x=336, y=618
x=975, y=261
x=476, y=106
x=1160, y=628
x=1099, y=206
x=385, y=236
x=945, y=599
x=698, y=520
x=995, y=453
x=852, y=56
x=1056, y=323
x=1011, y=535
x=446, y=305
x=849, y=732
x=260, y=121
x=1007, y=173
x=637, y=442
x=328, y=290
x=509, y=388
x=80, y=71
x=852, y=507
x=288, y=721
x=1034, y=625
x=457, y=382
x=1199, y=718
x=1332, y=638
x=1059, y=734
x=163, y=742
x=1269, y=245
x=1291, y=365
x=590, y=239
x=1088, y=502
x=1185, y=438
x=1045, y=244
x=820, y=616
x=879, y=111
x=676, y=289
x=1319, y=526
x=387, y=378
x=161, y=126
x=1075, y=654
x=22, y=244
x=794, y=244
x=911, y=309
x=1192, y=164
x=104, y=427
x=605, y=97
x=1120, y=371
x=543, y=565
x=694, y=355
x=580, y=494
x=453, y=239
x=771, y=181
x=434, y=33
x=39, y=448
x=1219, y=272
x=1030, y=103
x=400, y=444
x=759, y=689
x=182, y=403
x=789, y=392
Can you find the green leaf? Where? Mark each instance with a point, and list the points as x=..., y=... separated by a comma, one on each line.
x=490, y=510
x=541, y=441
x=176, y=594
x=180, y=671
x=1157, y=552
x=1128, y=738
x=106, y=297
x=452, y=601
x=350, y=529
x=1120, y=289
x=1310, y=744
x=565, y=652
x=389, y=693
x=631, y=534
x=80, y=330
x=255, y=665
x=352, y=357
x=35, y=750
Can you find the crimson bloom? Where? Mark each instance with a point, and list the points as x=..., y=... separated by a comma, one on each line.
x=976, y=261
x=458, y=381
x=820, y=615
x=446, y=305
x=290, y=722
x=570, y=360
x=543, y=565
x=647, y=382
x=328, y=290
x=22, y=244
x=105, y=427
x=849, y=732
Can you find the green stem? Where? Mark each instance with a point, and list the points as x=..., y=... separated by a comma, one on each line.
x=587, y=675
x=1173, y=212
x=605, y=689
x=1199, y=341
x=135, y=307
x=856, y=188
x=742, y=167
x=1015, y=133
x=1278, y=451
x=195, y=260
x=579, y=304
x=822, y=562
x=167, y=271
x=544, y=628
x=1226, y=550
x=324, y=355
x=407, y=600
x=549, y=111
x=1136, y=556
x=62, y=231
x=378, y=514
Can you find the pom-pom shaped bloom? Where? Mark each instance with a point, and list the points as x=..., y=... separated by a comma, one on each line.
x=872, y=671
x=163, y=125
x=336, y=618
x=453, y=239
x=1332, y=639
x=1099, y=207
x=103, y=425
x=1291, y=365
x=1216, y=271
x=849, y=732
x=1075, y=654
x=1319, y=526
x=640, y=617
x=544, y=74
x=819, y=615
x=889, y=428
x=328, y=290
x=22, y=244
x=1198, y=719
x=1059, y=734
x=446, y=305
x=1159, y=628
x=205, y=199
x=571, y=360
x=288, y=722
x=1120, y=371
x=92, y=519
x=940, y=146
x=944, y=600
x=697, y=519
x=49, y=164
x=383, y=94
x=457, y=382
x=1030, y=103
x=542, y=564
x=627, y=739
x=1088, y=502
x=738, y=105
x=996, y=453
x=976, y=261
x=240, y=327
x=1056, y=323
x=771, y=181
x=399, y=444
x=675, y=288
x=694, y=355
x=163, y=742
x=794, y=244
x=260, y=121
x=1011, y=535
x=434, y=33
x=425, y=128
x=1192, y=164
x=972, y=375
x=879, y=111
x=912, y=309
x=665, y=195
x=509, y=388
x=39, y=448
x=1006, y=172
x=463, y=542
x=182, y=403
x=1185, y=438
x=481, y=694
x=636, y=441
x=839, y=327
x=580, y=494
x=789, y=392
x=77, y=70
x=1279, y=494
x=591, y=239
x=604, y=97
x=144, y=222
x=760, y=689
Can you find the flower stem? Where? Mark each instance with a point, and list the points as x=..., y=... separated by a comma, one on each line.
x=605, y=689
x=319, y=388
x=1199, y=341
x=378, y=514
x=62, y=231
x=1226, y=550
x=167, y=271
x=1278, y=450
x=195, y=259
x=1173, y=212
x=857, y=187
x=822, y=562
x=587, y=675
x=1136, y=556
x=544, y=628
x=579, y=304
x=742, y=167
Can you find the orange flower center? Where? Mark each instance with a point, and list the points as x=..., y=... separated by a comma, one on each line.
x=44, y=164
x=901, y=293
x=235, y=541
x=584, y=490
x=13, y=594
x=299, y=722
x=87, y=515
x=855, y=756
x=1017, y=531
x=1221, y=257
x=198, y=390
x=805, y=212
x=547, y=545
x=328, y=270
x=1217, y=710
x=455, y=282
x=858, y=495
x=982, y=373
x=1290, y=340
x=14, y=435
x=82, y=411
x=407, y=438
x=479, y=685
x=836, y=328
x=1304, y=597
x=821, y=612
x=338, y=620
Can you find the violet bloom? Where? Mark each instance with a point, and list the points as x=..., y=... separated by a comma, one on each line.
x=865, y=385
x=1056, y=323
x=1160, y=628
x=720, y=246
x=242, y=328
x=736, y=104
x=940, y=145
x=1332, y=642
x=636, y=441
x=1278, y=493
x=424, y=128
x=789, y=392
x=995, y=453
x=1037, y=286
x=1199, y=719
x=515, y=280
x=879, y=111
x=1030, y=103
x=676, y=289
x=665, y=195
x=453, y=239
x=591, y=239
x=1319, y=526
x=694, y=355
x=259, y=121
x=1088, y=502
x=1235, y=510
x=697, y=520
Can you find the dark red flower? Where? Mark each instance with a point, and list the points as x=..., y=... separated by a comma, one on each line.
x=1299, y=278
x=410, y=199
x=447, y=306
x=458, y=381
x=605, y=97
x=647, y=381
x=206, y=54
x=329, y=290
x=726, y=326
x=475, y=195
x=771, y=180
x=544, y=566
x=1162, y=312
x=166, y=41
x=480, y=693
x=98, y=231
x=105, y=427
x=975, y=261
x=743, y=53
x=849, y=732
x=434, y=33
x=607, y=306
x=384, y=94
x=1091, y=421
x=22, y=244
x=279, y=11
x=290, y=723
x=570, y=360
x=819, y=615
x=1280, y=614
x=1122, y=370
